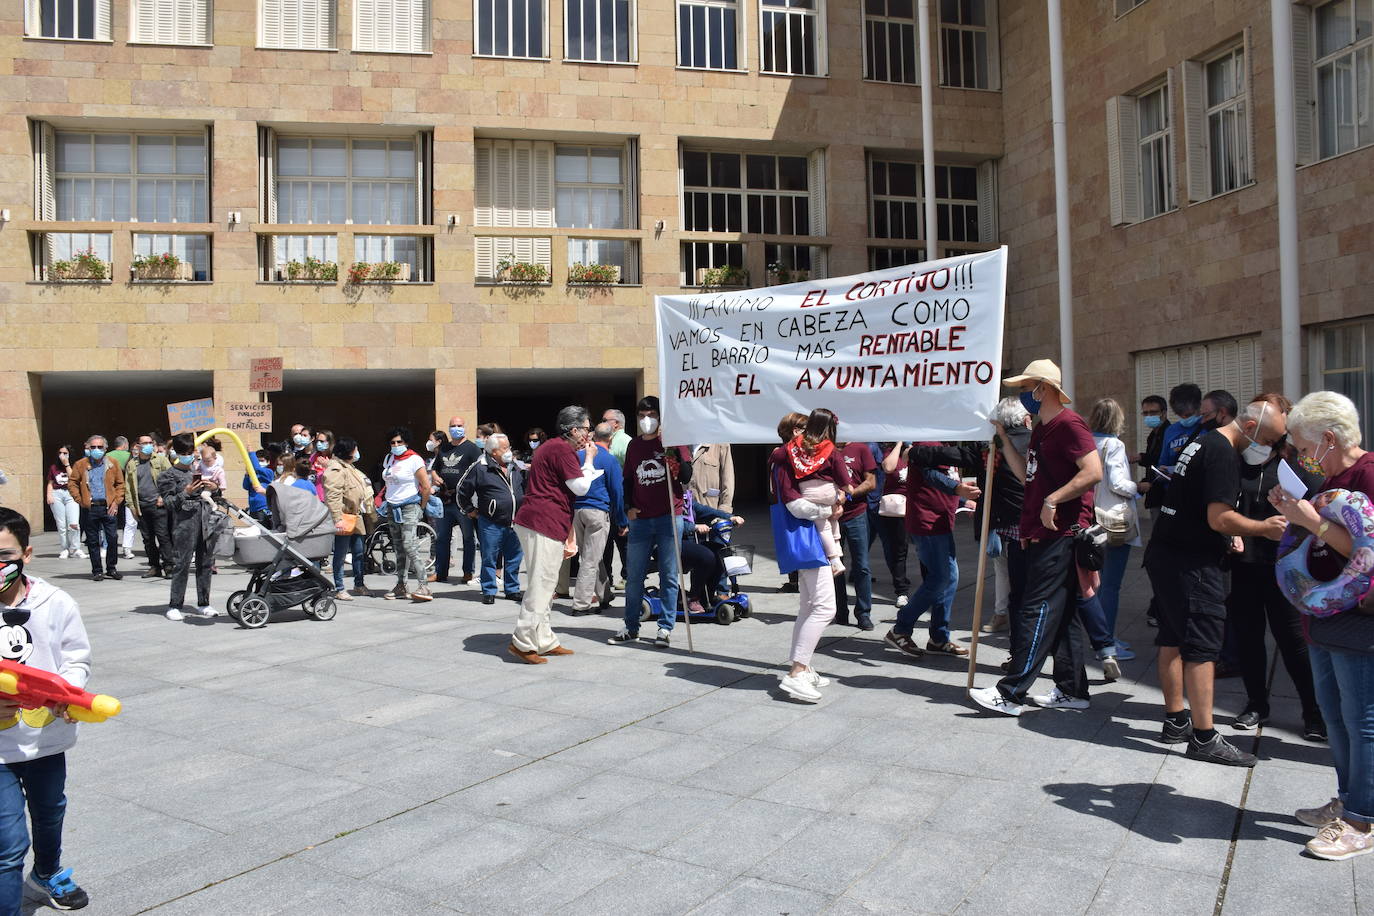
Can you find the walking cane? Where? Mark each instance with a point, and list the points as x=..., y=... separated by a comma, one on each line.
x=982, y=567
x=677, y=545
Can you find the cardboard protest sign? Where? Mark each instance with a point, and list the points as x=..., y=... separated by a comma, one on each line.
x=190, y=416
x=265, y=374
x=247, y=416
x=907, y=353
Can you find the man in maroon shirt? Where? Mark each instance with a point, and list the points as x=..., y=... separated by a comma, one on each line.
x=863, y=477
x=1060, y=469
x=544, y=526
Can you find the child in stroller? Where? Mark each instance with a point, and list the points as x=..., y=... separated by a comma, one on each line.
x=284, y=558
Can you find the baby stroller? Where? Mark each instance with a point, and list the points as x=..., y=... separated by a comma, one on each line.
x=727, y=603
x=283, y=558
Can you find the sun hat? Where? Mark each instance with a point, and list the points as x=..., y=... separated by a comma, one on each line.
x=1041, y=370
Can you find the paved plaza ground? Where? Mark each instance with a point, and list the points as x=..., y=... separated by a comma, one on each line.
x=397, y=760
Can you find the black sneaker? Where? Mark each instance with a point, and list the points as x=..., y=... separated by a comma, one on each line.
x=1221, y=751
x=865, y=622
x=515, y=596
x=114, y=574
x=623, y=637
x=1314, y=729
x=1248, y=720
x=151, y=574
x=97, y=577
x=903, y=644
x=488, y=599
x=59, y=890
x=1176, y=734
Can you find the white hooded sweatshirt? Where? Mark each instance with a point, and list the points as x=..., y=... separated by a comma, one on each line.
x=51, y=638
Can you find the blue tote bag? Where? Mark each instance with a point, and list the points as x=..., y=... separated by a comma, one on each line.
x=796, y=540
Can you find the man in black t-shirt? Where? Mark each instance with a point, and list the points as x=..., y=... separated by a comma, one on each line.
x=1195, y=532
x=451, y=461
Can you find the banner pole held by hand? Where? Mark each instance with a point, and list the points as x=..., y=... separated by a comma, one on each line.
x=677, y=545
x=982, y=567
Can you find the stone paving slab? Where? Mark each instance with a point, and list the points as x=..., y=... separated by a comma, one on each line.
x=396, y=760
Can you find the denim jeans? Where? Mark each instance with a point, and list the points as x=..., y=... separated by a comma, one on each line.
x=646, y=534
x=499, y=542
x=1094, y=620
x=1109, y=591
x=937, y=588
x=854, y=536
x=96, y=523
x=1345, y=692
x=39, y=785
x=349, y=544
x=443, y=540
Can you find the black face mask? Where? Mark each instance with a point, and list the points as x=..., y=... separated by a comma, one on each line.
x=10, y=571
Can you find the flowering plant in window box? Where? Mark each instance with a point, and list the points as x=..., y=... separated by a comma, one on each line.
x=509, y=270
x=83, y=265
x=779, y=274
x=378, y=272
x=604, y=274
x=311, y=269
x=725, y=275
x=165, y=266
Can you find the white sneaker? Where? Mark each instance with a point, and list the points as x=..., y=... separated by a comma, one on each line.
x=81, y=555
x=206, y=611
x=991, y=699
x=1058, y=699
x=62, y=555
x=128, y=554
x=800, y=687
x=174, y=613
x=816, y=679
x=902, y=600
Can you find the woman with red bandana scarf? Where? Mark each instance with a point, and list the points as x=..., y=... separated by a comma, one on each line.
x=818, y=468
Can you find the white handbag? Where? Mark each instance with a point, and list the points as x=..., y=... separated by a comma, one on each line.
x=892, y=505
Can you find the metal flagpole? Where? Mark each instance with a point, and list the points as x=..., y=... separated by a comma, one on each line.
x=1286, y=168
x=982, y=567
x=1061, y=193
x=928, y=131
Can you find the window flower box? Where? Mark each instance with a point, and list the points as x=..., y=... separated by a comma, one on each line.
x=779, y=276
x=311, y=270
x=379, y=272
x=722, y=277
x=84, y=265
x=167, y=268
x=509, y=270
x=594, y=274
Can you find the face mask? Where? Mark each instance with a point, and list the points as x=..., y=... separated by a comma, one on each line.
x=398, y=450
x=430, y=445
x=534, y=444
x=1256, y=454
x=356, y=456
x=9, y=572
x=508, y=457
x=1031, y=402
x=95, y=454
x=648, y=425
x=1312, y=464
x=1154, y=422
x=146, y=449
x=321, y=446
x=456, y=432
x=185, y=459
x=1190, y=422
x=279, y=470
x=301, y=441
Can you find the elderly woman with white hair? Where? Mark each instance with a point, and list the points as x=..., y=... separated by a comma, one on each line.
x=1008, y=563
x=1324, y=430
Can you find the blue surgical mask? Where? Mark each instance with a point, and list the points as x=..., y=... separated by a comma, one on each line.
x=321, y=446
x=1154, y=422
x=1190, y=422
x=456, y=432
x=146, y=449
x=508, y=457
x=534, y=444
x=95, y=454
x=1031, y=402
x=185, y=459
x=398, y=450
x=301, y=441
x=356, y=455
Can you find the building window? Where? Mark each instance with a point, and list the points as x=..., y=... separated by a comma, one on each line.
x=1344, y=62
x=1140, y=154
x=622, y=254
x=87, y=20
x=193, y=250
x=73, y=256
x=510, y=28
x=1216, y=98
x=333, y=180
x=1343, y=357
x=749, y=192
x=880, y=258
x=599, y=31
x=968, y=44
x=121, y=177
x=513, y=187
x=707, y=34
x=700, y=257
x=412, y=252
x=963, y=202
x=793, y=263
x=170, y=22
x=306, y=25
x=590, y=187
x=313, y=258
x=1232, y=365
x=890, y=41
x=790, y=36
x=396, y=26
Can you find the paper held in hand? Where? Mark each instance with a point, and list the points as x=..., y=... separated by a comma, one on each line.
x=1290, y=481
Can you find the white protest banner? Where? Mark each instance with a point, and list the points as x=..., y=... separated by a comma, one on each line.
x=907, y=353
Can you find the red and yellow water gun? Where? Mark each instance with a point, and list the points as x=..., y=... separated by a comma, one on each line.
x=33, y=688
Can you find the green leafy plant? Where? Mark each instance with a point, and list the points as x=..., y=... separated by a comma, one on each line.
x=593, y=273
x=84, y=265
x=384, y=271
x=725, y=275
x=312, y=268
x=779, y=273
x=164, y=261
x=509, y=270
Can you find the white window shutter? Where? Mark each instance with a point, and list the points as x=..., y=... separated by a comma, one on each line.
x=1249, y=109
x=267, y=150
x=424, y=181
x=484, y=258
x=502, y=167
x=1196, y=159
x=31, y=20
x=326, y=11
x=424, y=28
x=1171, y=109
x=483, y=190
x=102, y=20
x=521, y=184
x=1304, y=101
x=366, y=13
x=987, y=202
x=994, y=45
x=269, y=23
x=541, y=184
x=1123, y=154
x=815, y=185
x=45, y=198
x=631, y=196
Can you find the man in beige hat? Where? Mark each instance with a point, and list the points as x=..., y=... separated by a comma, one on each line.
x=1060, y=469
